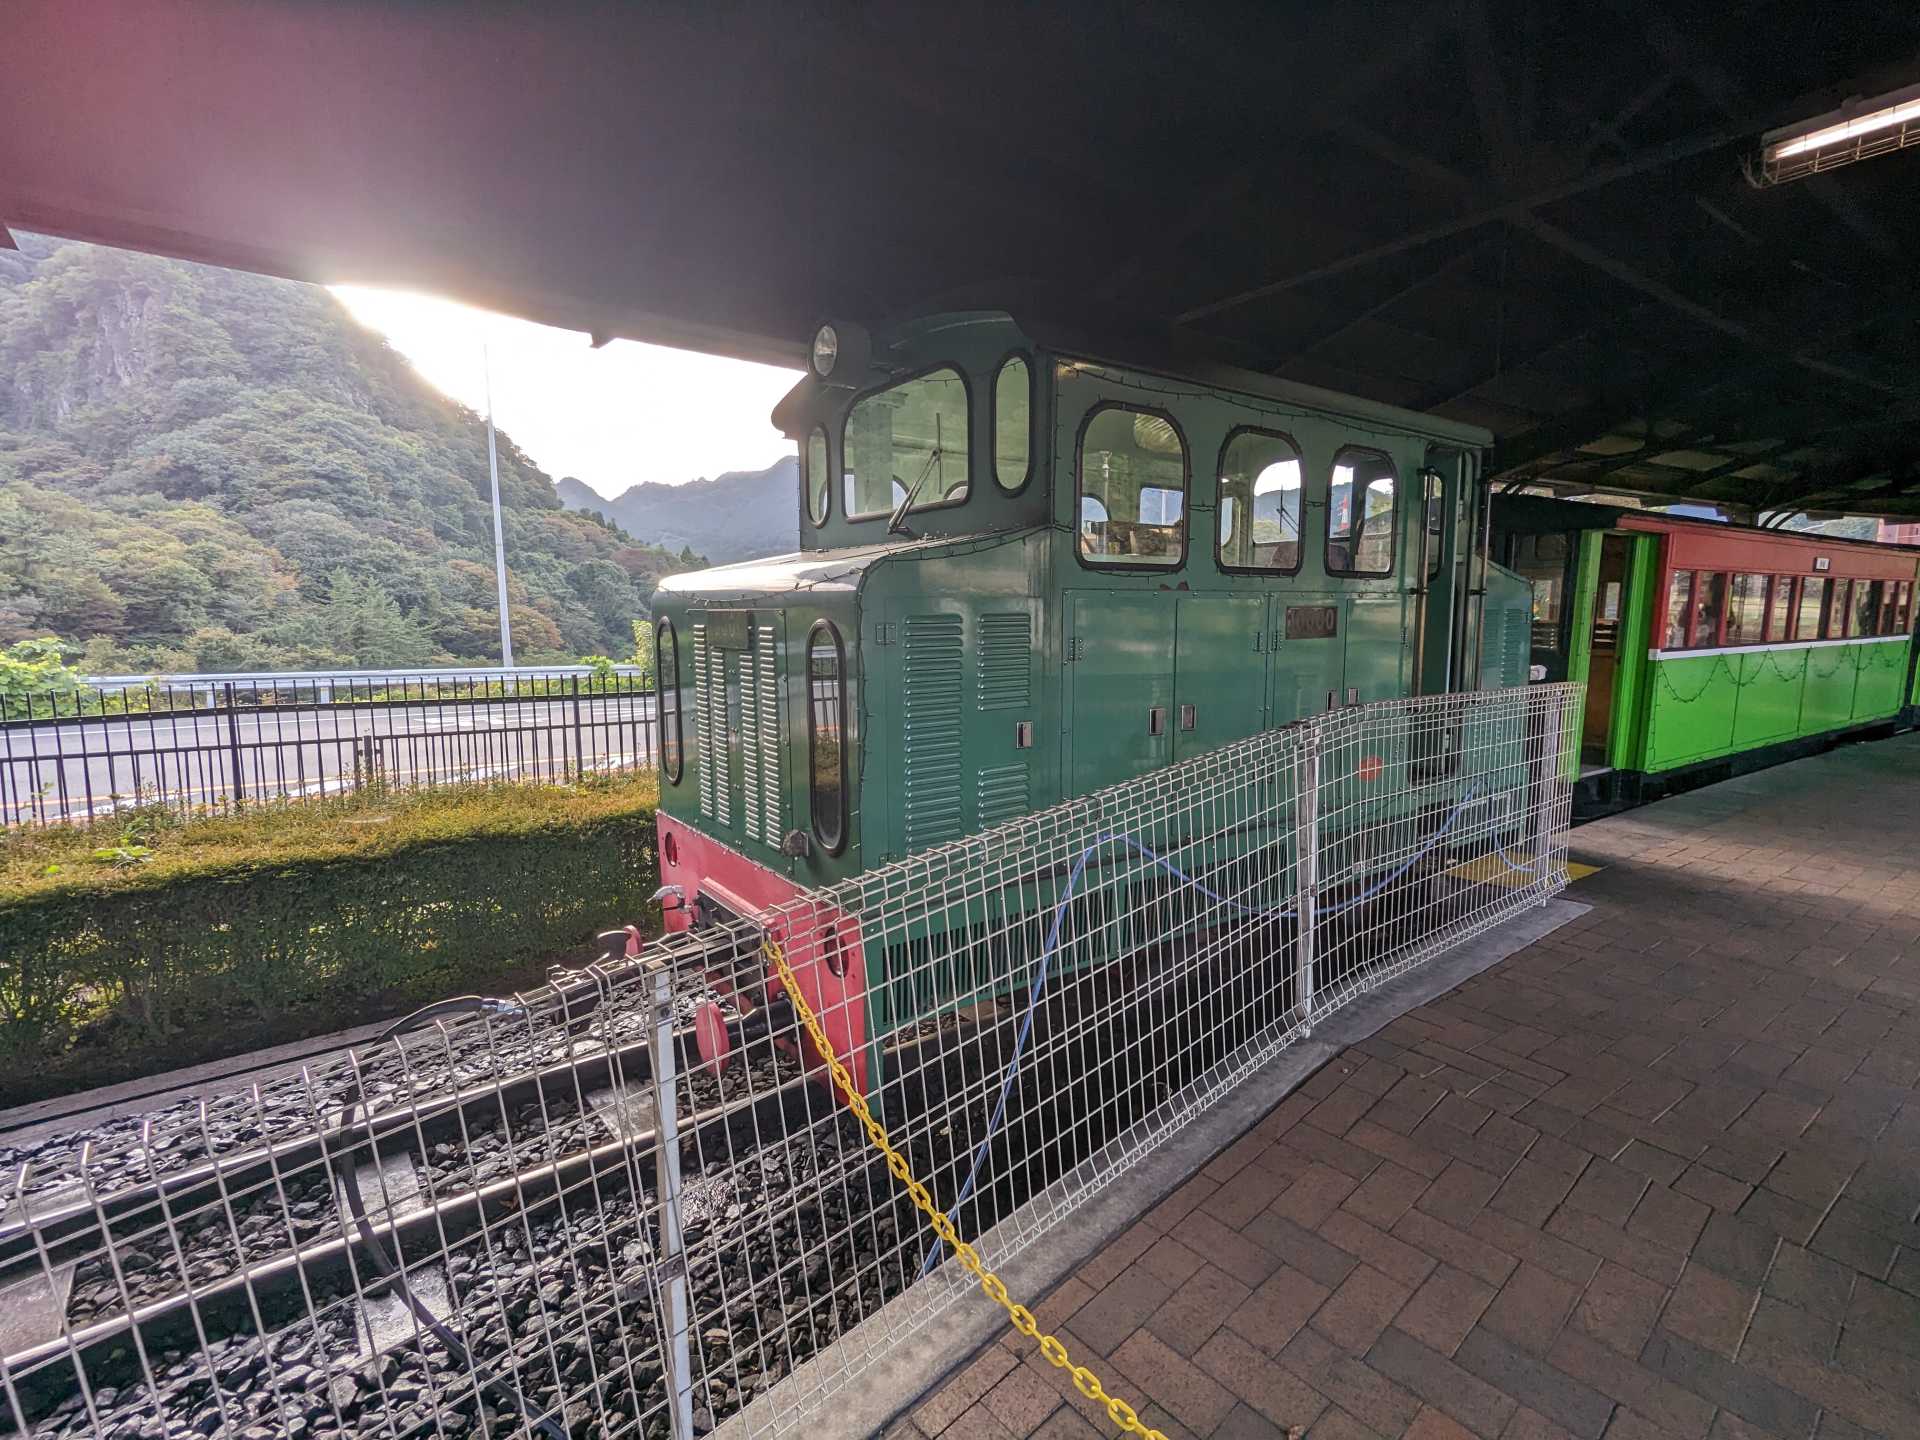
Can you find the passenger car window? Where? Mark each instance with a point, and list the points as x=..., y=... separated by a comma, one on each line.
x=1012, y=423
x=818, y=488
x=1779, y=606
x=1813, y=609
x=1133, y=468
x=1839, y=610
x=666, y=682
x=1708, y=606
x=910, y=439
x=1746, y=609
x=1260, y=503
x=1866, y=608
x=1679, y=601
x=826, y=714
x=1360, y=514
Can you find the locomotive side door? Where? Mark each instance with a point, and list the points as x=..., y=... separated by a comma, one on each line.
x=1219, y=671
x=1119, y=717
x=1308, y=638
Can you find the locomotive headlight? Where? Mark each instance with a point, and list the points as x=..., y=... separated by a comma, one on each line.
x=826, y=350
x=840, y=354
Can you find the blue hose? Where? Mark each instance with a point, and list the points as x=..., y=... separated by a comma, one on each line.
x=1506, y=858
x=1048, y=951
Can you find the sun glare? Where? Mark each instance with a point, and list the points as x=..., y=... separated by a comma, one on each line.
x=613, y=417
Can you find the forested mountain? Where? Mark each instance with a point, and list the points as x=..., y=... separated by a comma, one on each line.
x=202, y=469
x=740, y=515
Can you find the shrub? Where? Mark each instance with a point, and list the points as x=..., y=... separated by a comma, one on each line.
x=142, y=944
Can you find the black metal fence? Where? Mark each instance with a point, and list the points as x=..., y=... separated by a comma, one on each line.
x=208, y=742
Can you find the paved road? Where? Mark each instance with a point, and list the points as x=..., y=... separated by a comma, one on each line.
x=74, y=769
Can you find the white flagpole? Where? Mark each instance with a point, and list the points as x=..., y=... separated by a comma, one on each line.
x=499, y=538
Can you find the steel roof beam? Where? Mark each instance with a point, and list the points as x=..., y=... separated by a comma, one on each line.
x=1656, y=158
x=1614, y=268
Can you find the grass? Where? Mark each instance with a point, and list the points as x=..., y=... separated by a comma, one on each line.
x=148, y=846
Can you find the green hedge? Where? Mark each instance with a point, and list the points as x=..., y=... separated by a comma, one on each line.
x=222, y=934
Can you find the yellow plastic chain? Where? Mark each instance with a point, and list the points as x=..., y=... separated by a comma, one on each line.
x=1084, y=1380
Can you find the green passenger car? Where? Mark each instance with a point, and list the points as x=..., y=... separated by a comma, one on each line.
x=1709, y=649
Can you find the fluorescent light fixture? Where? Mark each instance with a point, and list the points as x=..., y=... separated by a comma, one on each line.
x=1858, y=130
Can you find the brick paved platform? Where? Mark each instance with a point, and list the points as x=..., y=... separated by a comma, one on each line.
x=1655, y=1176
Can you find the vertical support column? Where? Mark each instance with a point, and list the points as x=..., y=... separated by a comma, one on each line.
x=672, y=1259
x=1306, y=871
x=1546, y=778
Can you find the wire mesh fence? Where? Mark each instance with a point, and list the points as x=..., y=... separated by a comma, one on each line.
x=627, y=1204
x=208, y=742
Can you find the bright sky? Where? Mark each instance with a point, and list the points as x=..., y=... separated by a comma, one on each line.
x=613, y=417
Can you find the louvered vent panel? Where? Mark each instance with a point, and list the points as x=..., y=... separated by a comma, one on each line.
x=750, y=779
x=931, y=668
x=1003, y=793
x=1005, y=657
x=767, y=750
x=722, y=741
x=702, y=750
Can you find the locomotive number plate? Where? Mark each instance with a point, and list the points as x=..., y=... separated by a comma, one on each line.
x=1312, y=622
x=730, y=629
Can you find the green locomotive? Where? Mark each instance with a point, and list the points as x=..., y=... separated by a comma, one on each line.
x=1031, y=567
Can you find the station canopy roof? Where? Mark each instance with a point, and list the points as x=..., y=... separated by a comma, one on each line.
x=1530, y=217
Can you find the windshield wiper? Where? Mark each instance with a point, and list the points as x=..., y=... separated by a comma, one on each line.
x=895, y=525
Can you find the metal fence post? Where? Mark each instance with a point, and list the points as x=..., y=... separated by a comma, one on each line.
x=672, y=1258
x=579, y=747
x=1306, y=868
x=233, y=746
x=1546, y=779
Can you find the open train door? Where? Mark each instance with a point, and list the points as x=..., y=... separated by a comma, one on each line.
x=1440, y=581
x=1603, y=601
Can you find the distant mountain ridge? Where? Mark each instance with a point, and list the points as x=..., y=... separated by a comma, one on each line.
x=741, y=515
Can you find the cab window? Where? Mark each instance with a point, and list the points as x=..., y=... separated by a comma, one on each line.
x=906, y=444
x=1541, y=560
x=826, y=726
x=1012, y=424
x=1133, y=489
x=1260, y=503
x=666, y=680
x=1436, y=521
x=1360, y=514
x=818, y=486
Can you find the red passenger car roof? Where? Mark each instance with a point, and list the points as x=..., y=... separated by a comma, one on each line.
x=1705, y=545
